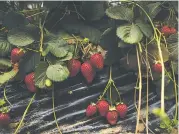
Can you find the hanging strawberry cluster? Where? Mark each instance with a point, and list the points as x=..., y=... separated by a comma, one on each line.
x=107, y=109
x=92, y=60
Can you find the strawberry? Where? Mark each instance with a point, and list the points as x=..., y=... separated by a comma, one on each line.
x=4, y=118
x=112, y=116
x=97, y=60
x=157, y=67
x=87, y=71
x=165, y=30
x=173, y=30
x=122, y=109
x=103, y=107
x=74, y=67
x=91, y=110
x=29, y=81
x=16, y=54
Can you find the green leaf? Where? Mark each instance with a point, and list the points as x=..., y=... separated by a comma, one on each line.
x=145, y=28
x=7, y=76
x=93, y=10
x=67, y=57
x=162, y=125
x=40, y=74
x=129, y=33
x=173, y=51
x=2, y=102
x=91, y=33
x=28, y=63
x=59, y=51
x=109, y=43
x=57, y=72
x=172, y=38
x=5, y=63
x=122, y=44
x=5, y=46
x=153, y=9
x=23, y=36
x=56, y=45
x=120, y=13
x=14, y=19
x=62, y=34
x=175, y=67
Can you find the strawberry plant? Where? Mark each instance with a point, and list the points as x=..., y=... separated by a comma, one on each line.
x=39, y=53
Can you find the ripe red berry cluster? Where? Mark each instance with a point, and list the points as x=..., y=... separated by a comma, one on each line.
x=166, y=30
x=87, y=68
x=105, y=110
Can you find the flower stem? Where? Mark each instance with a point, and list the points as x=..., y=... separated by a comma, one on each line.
x=54, y=114
x=25, y=112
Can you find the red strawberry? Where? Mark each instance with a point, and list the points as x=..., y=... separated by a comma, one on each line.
x=103, y=107
x=112, y=116
x=16, y=54
x=29, y=81
x=4, y=118
x=157, y=67
x=97, y=61
x=165, y=30
x=91, y=110
x=74, y=67
x=122, y=109
x=87, y=71
x=173, y=30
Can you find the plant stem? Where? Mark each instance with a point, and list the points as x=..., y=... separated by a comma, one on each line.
x=161, y=57
x=147, y=105
x=140, y=91
x=53, y=104
x=111, y=96
x=6, y=96
x=25, y=112
x=176, y=94
x=41, y=37
x=117, y=92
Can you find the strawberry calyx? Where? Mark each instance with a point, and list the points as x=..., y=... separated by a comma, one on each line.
x=4, y=110
x=112, y=108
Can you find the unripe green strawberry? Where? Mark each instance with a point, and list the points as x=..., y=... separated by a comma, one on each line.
x=97, y=60
x=87, y=71
x=74, y=67
x=16, y=55
x=122, y=109
x=91, y=110
x=29, y=81
x=48, y=82
x=103, y=107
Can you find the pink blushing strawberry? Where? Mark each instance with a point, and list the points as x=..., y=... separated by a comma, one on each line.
x=74, y=67
x=4, y=119
x=157, y=67
x=97, y=60
x=91, y=110
x=122, y=109
x=16, y=55
x=87, y=71
x=103, y=107
x=29, y=81
x=112, y=116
